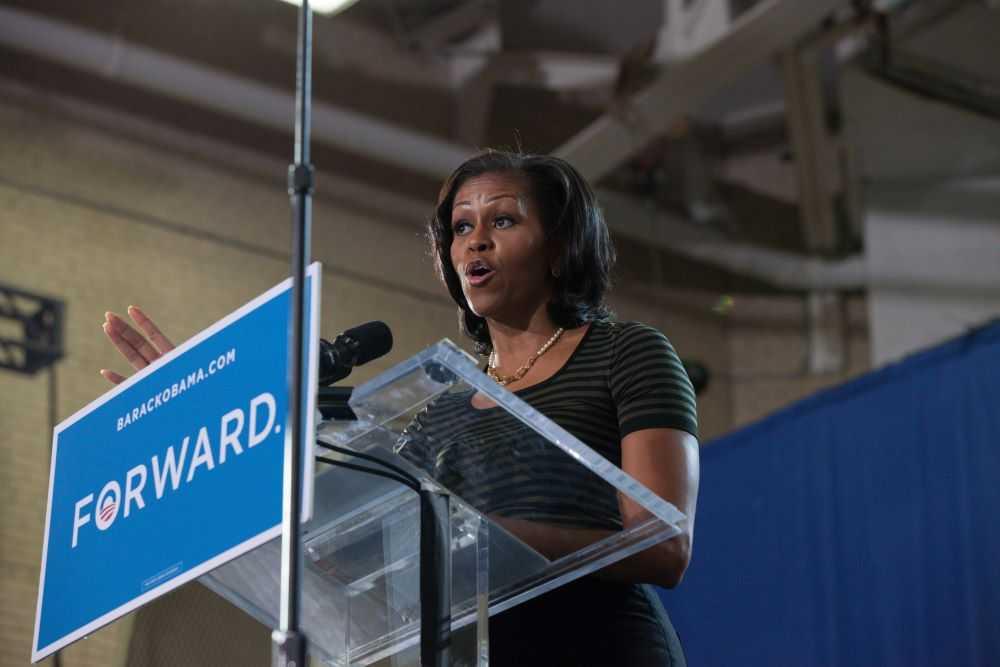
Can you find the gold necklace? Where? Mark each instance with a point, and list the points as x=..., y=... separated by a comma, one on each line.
x=504, y=380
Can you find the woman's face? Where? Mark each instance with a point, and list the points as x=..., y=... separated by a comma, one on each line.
x=499, y=249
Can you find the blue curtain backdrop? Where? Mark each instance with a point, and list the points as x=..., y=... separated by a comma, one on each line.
x=860, y=526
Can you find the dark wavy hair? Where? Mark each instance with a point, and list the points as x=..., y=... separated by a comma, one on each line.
x=574, y=228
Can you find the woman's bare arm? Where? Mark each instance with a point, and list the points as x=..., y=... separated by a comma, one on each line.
x=665, y=461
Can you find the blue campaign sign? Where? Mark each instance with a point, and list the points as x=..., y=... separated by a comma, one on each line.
x=174, y=472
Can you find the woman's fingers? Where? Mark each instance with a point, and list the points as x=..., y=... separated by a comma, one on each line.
x=112, y=377
x=134, y=359
x=136, y=349
x=138, y=342
x=151, y=330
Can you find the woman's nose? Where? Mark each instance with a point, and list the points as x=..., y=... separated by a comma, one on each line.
x=479, y=241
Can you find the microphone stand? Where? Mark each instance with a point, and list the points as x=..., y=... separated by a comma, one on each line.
x=289, y=642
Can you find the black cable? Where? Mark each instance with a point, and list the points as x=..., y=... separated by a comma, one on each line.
x=374, y=459
x=435, y=578
x=371, y=471
x=435, y=554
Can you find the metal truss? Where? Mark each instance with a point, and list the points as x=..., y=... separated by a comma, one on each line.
x=31, y=330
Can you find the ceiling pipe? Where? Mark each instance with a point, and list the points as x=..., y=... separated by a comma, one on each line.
x=145, y=68
x=785, y=270
x=812, y=274
x=781, y=269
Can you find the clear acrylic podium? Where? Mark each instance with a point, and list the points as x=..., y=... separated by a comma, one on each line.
x=432, y=415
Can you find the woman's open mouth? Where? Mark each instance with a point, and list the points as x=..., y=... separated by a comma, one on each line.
x=478, y=273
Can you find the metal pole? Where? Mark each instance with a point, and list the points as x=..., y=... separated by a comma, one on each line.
x=53, y=420
x=289, y=642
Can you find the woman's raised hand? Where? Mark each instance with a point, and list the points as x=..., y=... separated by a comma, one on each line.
x=138, y=349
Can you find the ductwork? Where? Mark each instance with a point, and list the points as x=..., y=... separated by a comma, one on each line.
x=211, y=88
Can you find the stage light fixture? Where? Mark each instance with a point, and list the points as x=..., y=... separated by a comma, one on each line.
x=327, y=7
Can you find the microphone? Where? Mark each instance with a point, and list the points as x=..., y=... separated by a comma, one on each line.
x=354, y=347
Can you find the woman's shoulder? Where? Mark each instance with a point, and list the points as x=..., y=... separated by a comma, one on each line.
x=631, y=344
x=630, y=332
x=648, y=381
x=624, y=343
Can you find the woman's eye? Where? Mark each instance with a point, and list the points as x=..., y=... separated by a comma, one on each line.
x=503, y=222
x=461, y=227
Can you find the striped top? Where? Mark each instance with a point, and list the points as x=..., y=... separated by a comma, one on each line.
x=622, y=377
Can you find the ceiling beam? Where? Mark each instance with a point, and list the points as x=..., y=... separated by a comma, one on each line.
x=681, y=88
x=814, y=153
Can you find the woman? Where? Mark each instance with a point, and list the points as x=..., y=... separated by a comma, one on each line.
x=522, y=247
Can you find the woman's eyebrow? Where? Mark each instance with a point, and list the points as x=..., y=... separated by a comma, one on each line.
x=466, y=202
